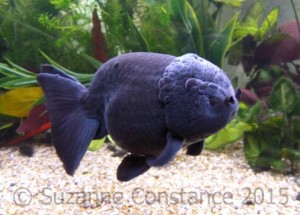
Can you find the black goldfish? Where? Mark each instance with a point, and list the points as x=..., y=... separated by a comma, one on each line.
x=151, y=104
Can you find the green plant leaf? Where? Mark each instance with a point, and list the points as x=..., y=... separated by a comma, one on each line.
x=219, y=47
x=234, y=3
x=241, y=31
x=6, y=125
x=291, y=154
x=96, y=144
x=278, y=164
x=251, y=147
x=266, y=162
x=11, y=72
x=296, y=111
x=95, y=63
x=23, y=72
x=249, y=114
x=15, y=82
x=181, y=9
x=284, y=96
x=83, y=78
x=110, y=139
x=231, y=133
x=61, y=4
x=253, y=14
x=138, y=35
x=296, y=128
x=269, y=22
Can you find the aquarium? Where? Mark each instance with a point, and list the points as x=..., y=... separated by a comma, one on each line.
x=150, y=106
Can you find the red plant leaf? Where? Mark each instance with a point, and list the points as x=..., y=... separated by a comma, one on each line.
x=263, y=89
x=29, y=135
x=281, y=48
x=291, y=28
x=248, y=97
x=248, y=47
x=37, y=117
x=98, y=40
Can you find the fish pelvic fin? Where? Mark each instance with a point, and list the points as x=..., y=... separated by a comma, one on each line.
x=72, y=131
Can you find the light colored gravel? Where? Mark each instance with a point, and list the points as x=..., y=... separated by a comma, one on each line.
x=213, y=183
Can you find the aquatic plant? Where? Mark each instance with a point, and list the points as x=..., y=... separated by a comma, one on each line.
x=269, y=117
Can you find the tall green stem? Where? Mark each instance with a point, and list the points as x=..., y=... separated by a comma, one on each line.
x=296, y=15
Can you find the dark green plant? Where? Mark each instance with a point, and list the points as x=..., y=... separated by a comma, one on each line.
x=174, y=27
x=59, y=28
x=274, y=141
x=270, y=122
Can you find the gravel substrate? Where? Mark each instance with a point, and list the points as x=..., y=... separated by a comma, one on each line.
x=214, y=183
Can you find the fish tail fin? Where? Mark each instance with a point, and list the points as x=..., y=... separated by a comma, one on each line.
x=72, y=130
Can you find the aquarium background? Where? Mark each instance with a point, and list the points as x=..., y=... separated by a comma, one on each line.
x=247, y=39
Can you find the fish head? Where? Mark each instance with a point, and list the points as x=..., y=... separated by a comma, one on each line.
x=198, y=97
x=213, y=106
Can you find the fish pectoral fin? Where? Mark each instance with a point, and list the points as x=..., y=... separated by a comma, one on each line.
x=131, y=167
x=174, y=144
x=196, y=148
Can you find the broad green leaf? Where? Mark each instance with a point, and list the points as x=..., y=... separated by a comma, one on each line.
x=251, y=147
x=234, y=3
x=278, y=164
x=19, y=101
x=266, y=162
x=195, y=29
x=249, y=114
x=295, y=122
x=296, y=110
x=96, y=144
x=290, y=153
x=253, y=14
x=284, y=96
x=181, y=9
x=207, y=21
x=273, y=125
x=268, y=23
x=231, y=133
x=61, y=4
x=262, y=149
x=241, y=31
x=219, y=47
